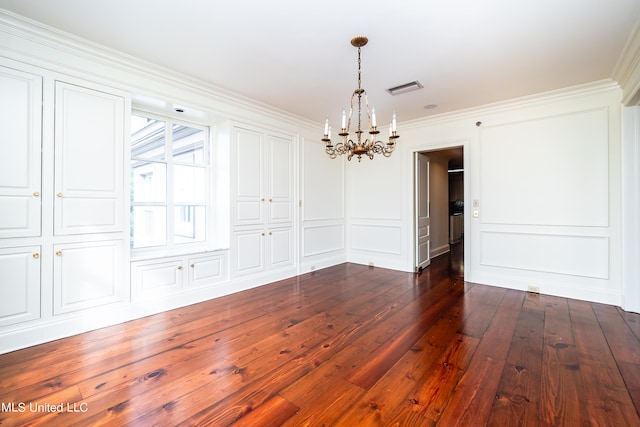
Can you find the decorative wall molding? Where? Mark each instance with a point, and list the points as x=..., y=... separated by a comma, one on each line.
x=325, y=239
x=60, y=46
x=627, y=70
x=383, y=239
x=574, y=255
x=539, y=99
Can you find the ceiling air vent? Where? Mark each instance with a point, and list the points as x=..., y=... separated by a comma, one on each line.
x=404, y=88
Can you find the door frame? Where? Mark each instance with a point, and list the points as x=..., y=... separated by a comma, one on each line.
x=412, y=191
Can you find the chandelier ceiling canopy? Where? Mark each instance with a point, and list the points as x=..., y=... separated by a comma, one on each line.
x=347, y=145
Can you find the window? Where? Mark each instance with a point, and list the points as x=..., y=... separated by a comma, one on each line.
x=169, y=183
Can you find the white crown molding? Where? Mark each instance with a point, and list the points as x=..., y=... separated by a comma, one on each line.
x=627, y=70
x=62, y=45
x=593, y=88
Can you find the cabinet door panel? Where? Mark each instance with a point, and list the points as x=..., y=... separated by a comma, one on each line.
x=83, y=213
x=249, y=251
x=249, y=190
x=249, y=212
x=280, y=180
x=157, y=277
x=281, y=247
x=16, y=215
x=87, y=275
x=20, y=290
x=206, y=270
x=89, y=153
x=20, y=145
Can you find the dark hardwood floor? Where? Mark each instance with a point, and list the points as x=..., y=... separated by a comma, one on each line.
x=344, y=346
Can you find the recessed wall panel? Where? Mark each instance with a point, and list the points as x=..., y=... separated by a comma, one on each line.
x=323, y=239
x=323, y=184
x=585, y=256
x=376, y=238
x=547, y=171
x=375, y=188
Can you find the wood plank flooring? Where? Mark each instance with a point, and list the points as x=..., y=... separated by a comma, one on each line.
x=344, y=346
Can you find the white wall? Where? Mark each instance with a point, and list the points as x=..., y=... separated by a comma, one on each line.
x=545, y=173
x=322, y=206
x=631, y=208
x=376, y=212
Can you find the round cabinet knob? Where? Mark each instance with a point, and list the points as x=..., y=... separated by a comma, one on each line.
x=179, y=267
x=262, y=199
x=36, y=193
x=36, y=255
x=270, y=200
x=262, y=234
x=59, y=194
x=193, y=266
x=270, y=234
x=58, y=253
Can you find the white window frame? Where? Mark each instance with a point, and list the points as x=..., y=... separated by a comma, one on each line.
x=171, y=247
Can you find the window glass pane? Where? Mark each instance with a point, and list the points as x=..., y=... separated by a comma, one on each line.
x=188, y=144
x=189, y=224
x=189, y=184
x=148, y=139
x=149, y=181
x=149, y=224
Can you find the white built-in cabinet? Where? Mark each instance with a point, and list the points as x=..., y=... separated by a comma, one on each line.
x=20, y=195
x=20, y=145
x=87, y=274
x=262, y=200
x=160, y=277
x=89, y=144
x=20, y=286
x=63, y=240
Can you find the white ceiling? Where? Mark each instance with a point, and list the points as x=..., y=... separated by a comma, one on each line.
x=296, y=55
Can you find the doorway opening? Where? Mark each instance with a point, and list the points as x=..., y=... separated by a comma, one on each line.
x=439, y=206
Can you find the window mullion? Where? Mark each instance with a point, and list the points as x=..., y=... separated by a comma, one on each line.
x=170, y=185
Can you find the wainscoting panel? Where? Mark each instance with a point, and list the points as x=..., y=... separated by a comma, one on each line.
x=377, y=238
x=586, y=256
x=322, y=239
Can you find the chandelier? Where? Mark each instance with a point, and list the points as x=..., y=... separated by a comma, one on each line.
x=358, y=148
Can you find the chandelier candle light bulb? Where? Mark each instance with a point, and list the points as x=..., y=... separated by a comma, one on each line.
x=347, y=145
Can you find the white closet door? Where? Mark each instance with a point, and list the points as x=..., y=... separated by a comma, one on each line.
x=87, y=274
x=249, y=188
x=89, y=149
x=20, y=145
x=20, y=290
x=280, y=180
